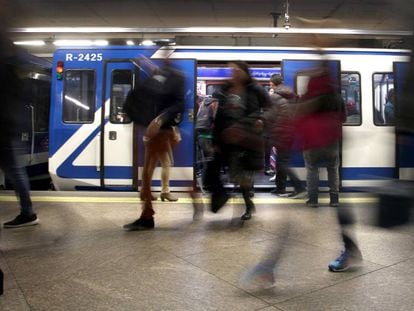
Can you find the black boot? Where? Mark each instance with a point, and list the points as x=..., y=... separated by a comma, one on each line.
x=249, y=205
x=247, y=215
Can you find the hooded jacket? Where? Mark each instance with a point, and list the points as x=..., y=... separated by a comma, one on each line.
x=279, y=116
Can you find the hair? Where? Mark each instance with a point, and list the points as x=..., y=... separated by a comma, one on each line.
x=245, y=67
x=276, y=79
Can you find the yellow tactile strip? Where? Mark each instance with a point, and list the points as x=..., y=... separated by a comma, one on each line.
x=182, y=200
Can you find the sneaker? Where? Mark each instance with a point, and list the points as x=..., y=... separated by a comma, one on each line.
x=273, y=178
x=279, y=193
x=298, y=194
x=140, y=224
x=348, y=259
x=22, y=221
x=269, y=172
x=312, y=203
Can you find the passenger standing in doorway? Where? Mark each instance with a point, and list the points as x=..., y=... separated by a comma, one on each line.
x=160, y=136
x=204, y=126
x=319, y=124
x=238, y=140
x=10, y=90
x=389, y=109
x=279, y=121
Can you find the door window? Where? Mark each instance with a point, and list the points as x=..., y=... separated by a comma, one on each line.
x=351, y=95
x=121, y=85
x=384, y=99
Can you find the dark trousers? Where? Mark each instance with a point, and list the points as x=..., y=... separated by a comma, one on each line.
x=17, y=174
x=213, y=179
x=283, y=171
x=346, y=220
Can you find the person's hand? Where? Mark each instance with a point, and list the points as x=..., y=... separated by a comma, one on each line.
x=258, y=126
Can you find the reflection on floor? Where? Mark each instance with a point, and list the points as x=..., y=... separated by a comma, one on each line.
x=79, y=258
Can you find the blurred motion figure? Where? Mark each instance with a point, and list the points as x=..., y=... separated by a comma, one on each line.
x=163, y=91
x=10, y=88
x=238, y=140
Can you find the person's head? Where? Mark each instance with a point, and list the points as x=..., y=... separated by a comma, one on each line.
x=390, y=96
x=240, y=72
x=275, y=80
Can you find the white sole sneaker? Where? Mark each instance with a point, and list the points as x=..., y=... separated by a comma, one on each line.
x=26, y=224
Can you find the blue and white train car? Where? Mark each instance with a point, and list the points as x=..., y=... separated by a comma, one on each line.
x=93, y=144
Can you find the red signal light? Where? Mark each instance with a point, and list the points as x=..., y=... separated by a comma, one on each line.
x=59, y=70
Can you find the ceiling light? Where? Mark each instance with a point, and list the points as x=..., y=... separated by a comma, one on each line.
x=30, y=42
x=130, y=42
x=286, y=23
x=100, y=42
x=147, y=42
x=80, y=42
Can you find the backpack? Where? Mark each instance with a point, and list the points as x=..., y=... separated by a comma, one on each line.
x=141, y=102
x=205, y=115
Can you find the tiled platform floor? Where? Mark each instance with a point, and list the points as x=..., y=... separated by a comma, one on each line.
x=80, y=258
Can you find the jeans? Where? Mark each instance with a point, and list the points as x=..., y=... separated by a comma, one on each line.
x=17, y=174
x=322, y=157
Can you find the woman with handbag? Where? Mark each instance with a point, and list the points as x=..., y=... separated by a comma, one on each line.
x=238, y=139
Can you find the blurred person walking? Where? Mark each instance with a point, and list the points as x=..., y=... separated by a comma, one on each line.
x=164, y=92
x=279, y=120
x=238, y=137
x=10, y=88
x=322, y=113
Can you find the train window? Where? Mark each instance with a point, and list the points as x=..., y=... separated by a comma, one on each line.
x=37, y=95
x=121, y=85
x=79, y=96
x=351, y=95
x=212, y=88
x=383, y=86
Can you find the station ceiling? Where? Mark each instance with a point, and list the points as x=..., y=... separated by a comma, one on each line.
x=390, y=15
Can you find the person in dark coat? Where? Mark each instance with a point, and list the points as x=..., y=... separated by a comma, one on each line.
x=160, y=137
x=10, y=88
x=279, y=119
x=237, y=136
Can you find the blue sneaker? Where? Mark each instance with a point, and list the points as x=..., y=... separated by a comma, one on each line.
x=348, y=259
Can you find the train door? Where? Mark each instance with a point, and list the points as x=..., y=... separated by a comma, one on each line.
x=405, y=149
x=182, y=173
x=122, y=153
x=117, y=129
x=296, y=75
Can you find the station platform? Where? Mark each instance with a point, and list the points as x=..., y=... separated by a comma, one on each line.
x=80, y=258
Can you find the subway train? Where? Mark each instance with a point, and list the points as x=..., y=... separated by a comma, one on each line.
x=94, y=145
x=32, y=134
